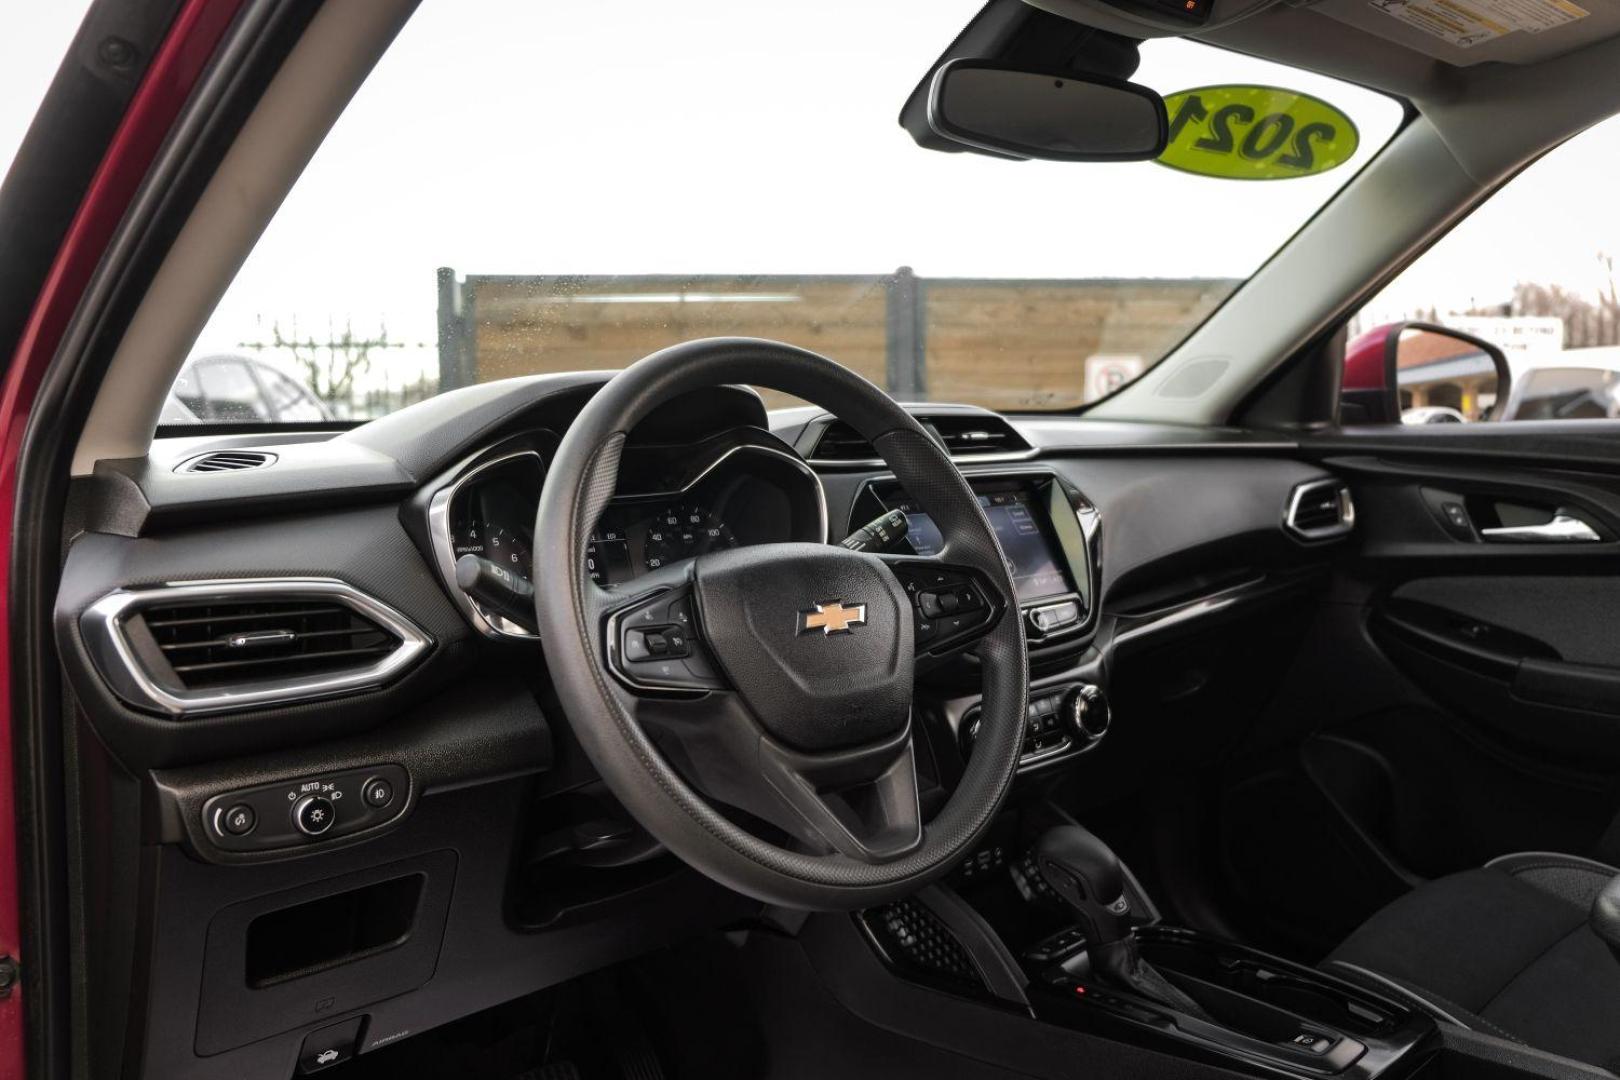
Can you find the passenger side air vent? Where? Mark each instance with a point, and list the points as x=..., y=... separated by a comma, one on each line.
x=1320, y=510
x=186, y=649
x=227, y=461
x=964, y=435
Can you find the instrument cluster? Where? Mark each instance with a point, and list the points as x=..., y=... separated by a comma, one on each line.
x=668, y=507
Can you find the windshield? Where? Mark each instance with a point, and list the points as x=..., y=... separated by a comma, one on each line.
x=526, y=187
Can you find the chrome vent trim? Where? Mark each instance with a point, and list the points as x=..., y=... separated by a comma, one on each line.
x=139, y=675
x=227, y=461
x=1320, y=510
x=966, y=437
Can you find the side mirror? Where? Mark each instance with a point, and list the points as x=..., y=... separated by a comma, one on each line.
x=1420, y=373
x=1006, y=111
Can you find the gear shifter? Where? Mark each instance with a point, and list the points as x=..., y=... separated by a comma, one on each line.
x=1087, y=874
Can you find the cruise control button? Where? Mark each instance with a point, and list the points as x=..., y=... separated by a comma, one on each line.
x=675, y=641
x=657, y=645
x=239, y=820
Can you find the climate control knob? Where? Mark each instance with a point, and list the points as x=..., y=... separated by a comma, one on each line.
x=1086, y=712
x=314, y=814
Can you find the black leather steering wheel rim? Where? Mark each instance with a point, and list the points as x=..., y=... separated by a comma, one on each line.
x=571, y=611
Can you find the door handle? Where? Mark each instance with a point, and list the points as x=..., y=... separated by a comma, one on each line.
x=1562, y=529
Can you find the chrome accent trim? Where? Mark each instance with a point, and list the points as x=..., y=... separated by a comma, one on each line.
x=102, y=625
x=997, y=458
x=1191, y=611
x=1564, y=528
x=959, y=459
x=487, y=623
x=1347, y=511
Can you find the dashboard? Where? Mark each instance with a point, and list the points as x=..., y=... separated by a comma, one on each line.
x=386, y=697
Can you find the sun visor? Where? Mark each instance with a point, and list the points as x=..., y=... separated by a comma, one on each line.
x=1468, y=32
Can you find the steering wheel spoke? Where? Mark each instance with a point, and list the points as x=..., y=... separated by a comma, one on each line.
x=653, y=642
x=952, y=605
x=858, y=801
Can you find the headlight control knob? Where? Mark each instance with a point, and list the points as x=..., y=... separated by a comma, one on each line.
x=1086, y=712
x=314, y=814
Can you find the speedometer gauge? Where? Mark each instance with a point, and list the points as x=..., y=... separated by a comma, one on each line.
x=680, y=532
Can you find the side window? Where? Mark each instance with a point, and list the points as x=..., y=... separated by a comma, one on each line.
x=1518, y=306
x=228, y=392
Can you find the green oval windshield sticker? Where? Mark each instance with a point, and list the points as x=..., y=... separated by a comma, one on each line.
x=1256, y=133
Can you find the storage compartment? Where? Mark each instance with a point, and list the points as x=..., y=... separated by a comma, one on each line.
x=320, y=934
x=314, y=954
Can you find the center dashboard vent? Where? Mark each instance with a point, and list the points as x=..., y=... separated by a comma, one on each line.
x=964, y=435
x=187, y=649
x=1320, y=510
x=227, y=461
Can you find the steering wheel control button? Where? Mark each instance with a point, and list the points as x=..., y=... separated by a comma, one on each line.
x=329, y=1046
x=948, y=603
x=238, y=820
x=314, y=815
x=293, y=812
x=655, y=645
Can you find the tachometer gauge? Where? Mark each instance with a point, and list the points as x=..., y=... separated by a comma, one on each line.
x=506, y=548
x=680, y=532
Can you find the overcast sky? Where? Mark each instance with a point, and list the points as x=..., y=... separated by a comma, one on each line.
x=500, y=136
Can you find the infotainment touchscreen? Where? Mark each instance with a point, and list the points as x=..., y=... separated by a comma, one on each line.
x=1017, y=518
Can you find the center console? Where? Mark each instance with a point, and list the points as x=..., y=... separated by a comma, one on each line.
x=1065, y=934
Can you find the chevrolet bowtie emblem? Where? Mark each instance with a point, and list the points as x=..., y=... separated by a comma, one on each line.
x=832, y=618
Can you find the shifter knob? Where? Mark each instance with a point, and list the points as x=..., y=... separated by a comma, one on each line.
x=1087, y=874
x=1605, y=916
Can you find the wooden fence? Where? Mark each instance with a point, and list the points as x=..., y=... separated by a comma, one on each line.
x=1005, y=344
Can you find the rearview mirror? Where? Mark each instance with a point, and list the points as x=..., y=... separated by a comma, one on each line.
x=1420, y=373
x=1010, y=112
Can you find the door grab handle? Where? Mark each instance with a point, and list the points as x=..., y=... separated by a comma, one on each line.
x=1562, y=529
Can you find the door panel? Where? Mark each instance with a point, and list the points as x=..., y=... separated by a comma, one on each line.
x=1459, y=697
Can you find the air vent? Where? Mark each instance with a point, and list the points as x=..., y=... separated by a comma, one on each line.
x=211, y=644
x=964, y=435
x=1320, y=510
x=186, y=649
x=227, y=461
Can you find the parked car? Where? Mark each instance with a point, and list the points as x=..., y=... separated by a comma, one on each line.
x=222, y=388
x=1576, y=384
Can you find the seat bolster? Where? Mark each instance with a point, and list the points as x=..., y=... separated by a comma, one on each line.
x=1463, y=937
x=1568, y=877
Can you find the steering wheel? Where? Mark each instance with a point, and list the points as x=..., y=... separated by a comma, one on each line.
x=751, y=708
